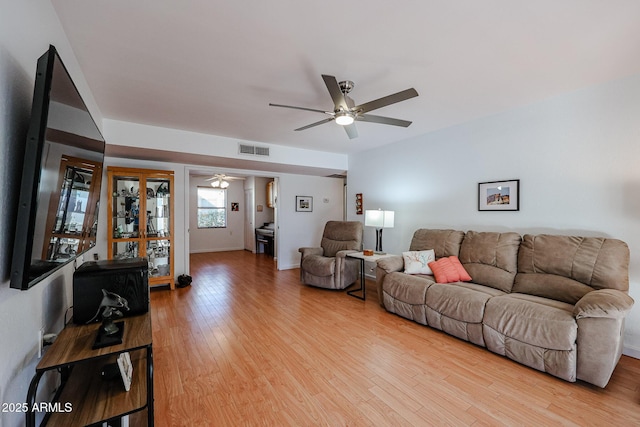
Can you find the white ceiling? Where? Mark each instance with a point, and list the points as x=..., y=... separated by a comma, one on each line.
x=213, y=66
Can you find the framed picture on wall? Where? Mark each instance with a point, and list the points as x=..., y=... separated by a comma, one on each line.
x=499, y=195
x=304, y=204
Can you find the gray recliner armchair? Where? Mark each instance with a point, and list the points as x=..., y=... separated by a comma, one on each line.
x=328, y=266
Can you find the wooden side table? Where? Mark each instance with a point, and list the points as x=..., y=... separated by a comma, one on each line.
x=83, y=396
x=363, y=258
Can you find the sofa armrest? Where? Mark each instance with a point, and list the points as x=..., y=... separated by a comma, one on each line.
x=391, y=263
x=310, y=251
x=600, y=316
x=343, y=253
x=608, y=303
x=385, y=266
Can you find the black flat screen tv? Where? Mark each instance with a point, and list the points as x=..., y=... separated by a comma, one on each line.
x=61, y=178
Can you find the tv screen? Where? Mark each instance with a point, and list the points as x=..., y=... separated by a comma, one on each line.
x=61, y=178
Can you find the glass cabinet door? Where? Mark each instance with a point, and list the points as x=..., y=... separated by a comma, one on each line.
x=159, y=256
x=126, y=249
x=126, y=207
x=157, y=207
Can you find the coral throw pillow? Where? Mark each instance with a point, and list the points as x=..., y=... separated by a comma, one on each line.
x=417, y=262
x=449, y=270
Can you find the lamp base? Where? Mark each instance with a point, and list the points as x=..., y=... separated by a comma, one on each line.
x=379, y=241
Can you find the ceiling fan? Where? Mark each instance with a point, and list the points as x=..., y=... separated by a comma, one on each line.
x=345, y=112
x=220, y=180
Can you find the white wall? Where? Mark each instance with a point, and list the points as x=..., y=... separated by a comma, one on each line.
x=576, y=156
x=229, y=238
x=159, y=138
x=304, y=229
x=26, y=30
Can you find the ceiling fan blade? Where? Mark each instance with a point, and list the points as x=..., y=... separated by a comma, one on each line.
x=351, y=131
x=316, y=124
x=336, y=94
x=386, y=100
x=383, y=120
x=299, y=108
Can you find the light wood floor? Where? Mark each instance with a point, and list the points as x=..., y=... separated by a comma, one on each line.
x=247, y=345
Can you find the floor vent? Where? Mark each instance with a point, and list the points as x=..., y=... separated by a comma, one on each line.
x=254, y=150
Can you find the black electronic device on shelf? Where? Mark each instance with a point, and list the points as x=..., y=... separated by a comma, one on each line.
x=129, y=278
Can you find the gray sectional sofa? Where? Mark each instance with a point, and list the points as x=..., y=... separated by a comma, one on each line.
x=554, y=303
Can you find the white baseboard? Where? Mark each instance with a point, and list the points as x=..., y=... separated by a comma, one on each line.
x=288, y=266
x=631, y=352
x=202, y=251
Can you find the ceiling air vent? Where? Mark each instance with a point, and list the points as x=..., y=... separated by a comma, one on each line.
x=253, y=150
x=247, y=149
x=262, y=151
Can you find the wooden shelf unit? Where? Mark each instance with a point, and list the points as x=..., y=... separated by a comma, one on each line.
x=92, y=398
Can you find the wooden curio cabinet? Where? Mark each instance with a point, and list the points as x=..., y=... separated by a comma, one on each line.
x=140, y=220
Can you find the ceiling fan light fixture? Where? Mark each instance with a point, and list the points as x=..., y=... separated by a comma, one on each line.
x=220, y=183
x=344, y=118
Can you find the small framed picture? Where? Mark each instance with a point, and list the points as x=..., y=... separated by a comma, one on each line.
x=235, y=207
x=304, y=204
x=499, y=195
x=126, y=369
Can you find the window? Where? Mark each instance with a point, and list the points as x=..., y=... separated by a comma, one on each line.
x=212, y=207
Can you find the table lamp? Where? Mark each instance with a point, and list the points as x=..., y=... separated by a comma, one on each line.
x=379, y=219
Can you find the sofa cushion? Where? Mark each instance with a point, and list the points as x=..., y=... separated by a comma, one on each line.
x=465, y=303
x=551, y=286
x=449, y=270
x=340, y=236
x=443, y=242
x=332, y=247
x=405, y=295
x=417, y=262
x=319, y=265
x=541, y=322
x=566, y=268
x=537, y=332
x=458, y=309
x=491, y=258
x=407, y=288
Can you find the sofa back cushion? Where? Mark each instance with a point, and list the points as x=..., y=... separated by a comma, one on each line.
x=340, y=236
x=491, y=259
x=565, y=268
x=445, y=243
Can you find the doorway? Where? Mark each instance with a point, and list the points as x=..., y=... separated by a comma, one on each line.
x=243, y=218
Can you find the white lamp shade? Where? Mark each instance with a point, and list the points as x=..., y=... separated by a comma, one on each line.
x=379, y=218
